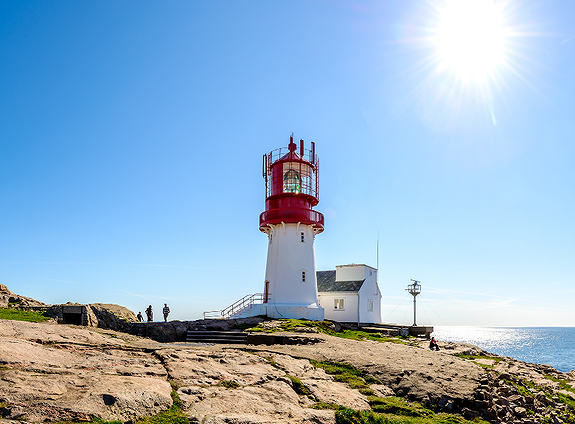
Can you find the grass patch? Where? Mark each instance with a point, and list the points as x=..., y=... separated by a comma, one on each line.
x=325, y=327
x=97, y=420
x=228, y=384
x=244, y=327
x=345, y=373
x=18, y=315
x=298, y=386
x=324, y=405
x=94, y=420
x=288, y=325
x=397, y=406
x=474, y=357
x=350, y=416
x=174, y=415
x=529, y=388
x=563, y=384
x=567, y=400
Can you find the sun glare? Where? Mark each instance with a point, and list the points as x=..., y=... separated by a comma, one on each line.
x=470, y=38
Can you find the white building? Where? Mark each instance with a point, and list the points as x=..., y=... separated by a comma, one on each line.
x=350, y=294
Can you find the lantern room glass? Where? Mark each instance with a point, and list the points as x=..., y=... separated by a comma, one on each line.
x=292, y=181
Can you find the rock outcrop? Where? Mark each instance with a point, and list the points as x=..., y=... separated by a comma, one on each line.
x=58, y=373
x=9, y=299
x=52, y=372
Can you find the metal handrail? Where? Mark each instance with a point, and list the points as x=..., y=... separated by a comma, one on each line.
x=237, y=306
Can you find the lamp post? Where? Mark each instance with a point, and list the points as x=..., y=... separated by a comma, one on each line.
x=414, y=289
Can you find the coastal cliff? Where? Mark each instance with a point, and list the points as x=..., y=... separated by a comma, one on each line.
x=51, y=372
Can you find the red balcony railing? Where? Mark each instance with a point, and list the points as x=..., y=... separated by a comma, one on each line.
x=305, y=216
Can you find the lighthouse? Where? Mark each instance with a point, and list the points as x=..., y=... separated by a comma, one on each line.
x=291, y=224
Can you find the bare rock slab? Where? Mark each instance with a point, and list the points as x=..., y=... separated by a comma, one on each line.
x=271, y=402
x=61, y=373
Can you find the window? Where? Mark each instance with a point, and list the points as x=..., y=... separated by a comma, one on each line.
x=369, y=305
x=292, y=181
x=338, y=304
x=303, y=275
x=271, y=238
x=302, y=236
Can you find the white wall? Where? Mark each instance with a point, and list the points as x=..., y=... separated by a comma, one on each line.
x=349, y=314
x=369, y=291
x=287, y=257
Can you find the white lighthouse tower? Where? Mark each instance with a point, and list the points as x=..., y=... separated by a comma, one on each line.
x=291, y=180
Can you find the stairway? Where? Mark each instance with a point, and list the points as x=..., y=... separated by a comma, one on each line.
x=227, y=337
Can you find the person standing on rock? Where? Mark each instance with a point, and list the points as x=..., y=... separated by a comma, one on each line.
x=140, y=317
x=150, y=314
x=166, y=312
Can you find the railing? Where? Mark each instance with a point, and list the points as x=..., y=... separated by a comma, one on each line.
x=278, y=154
x=237, y=306
x=305, y=216
x=306, y=168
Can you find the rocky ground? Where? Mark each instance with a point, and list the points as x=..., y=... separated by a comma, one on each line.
x=51, y=372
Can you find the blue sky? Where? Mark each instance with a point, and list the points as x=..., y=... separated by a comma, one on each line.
x=132, y=134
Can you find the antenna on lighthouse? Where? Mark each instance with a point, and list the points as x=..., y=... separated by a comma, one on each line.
x=414, y=289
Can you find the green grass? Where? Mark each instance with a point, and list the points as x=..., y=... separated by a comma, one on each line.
x=18, y=315
x=298, y=386
x=228, y=384
x=324, y=405
x=567, y=400
x=324, y=327
x=94, y=420
x=563, y=384
x=397, y=406
x=345, y=373
x=174, y=415
x=350, y=416
x=473, y=357
x=389, y=410
x=529, y=388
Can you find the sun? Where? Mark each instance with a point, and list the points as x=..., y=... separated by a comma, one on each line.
x=471, y=38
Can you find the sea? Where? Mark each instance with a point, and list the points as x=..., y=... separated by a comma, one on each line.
x=554, y=346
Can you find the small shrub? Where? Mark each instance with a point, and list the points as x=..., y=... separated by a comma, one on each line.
x=298, y=386
x=324, y=405
x=228, y=384
x=397, y=406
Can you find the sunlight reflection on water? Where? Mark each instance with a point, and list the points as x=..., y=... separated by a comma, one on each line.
x=542, y=345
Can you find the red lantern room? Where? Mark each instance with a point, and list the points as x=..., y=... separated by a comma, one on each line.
x=291, y=178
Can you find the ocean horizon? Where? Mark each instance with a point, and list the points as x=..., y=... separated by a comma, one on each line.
x=553, y=346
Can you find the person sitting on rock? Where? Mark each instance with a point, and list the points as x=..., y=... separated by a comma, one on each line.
x=433, y=344
x=140, y=317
